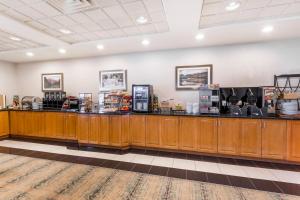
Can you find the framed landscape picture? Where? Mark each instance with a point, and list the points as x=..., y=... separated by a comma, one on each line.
x=113, y=80
x=52, y=82
x=192, y=77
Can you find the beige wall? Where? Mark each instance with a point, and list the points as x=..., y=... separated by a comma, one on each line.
x=8, y=80
x=238, y=65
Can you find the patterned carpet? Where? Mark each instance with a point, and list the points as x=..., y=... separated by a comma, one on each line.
x=25, y=178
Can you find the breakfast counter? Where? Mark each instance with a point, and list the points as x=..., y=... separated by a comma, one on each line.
x=271, y=138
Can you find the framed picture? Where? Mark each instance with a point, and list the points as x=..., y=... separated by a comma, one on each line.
x=192, y=77
x=113, y=80
x=52, y=82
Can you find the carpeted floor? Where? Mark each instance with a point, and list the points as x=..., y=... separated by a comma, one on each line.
x=25, y=178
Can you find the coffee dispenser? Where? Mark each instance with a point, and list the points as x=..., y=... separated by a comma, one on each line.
x=142, y=98
x=241, y=101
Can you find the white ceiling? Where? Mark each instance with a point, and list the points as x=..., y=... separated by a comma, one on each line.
x=112, y=23
x=214, y=12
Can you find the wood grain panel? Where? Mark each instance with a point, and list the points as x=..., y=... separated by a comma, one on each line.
x=250, y=138
x=229, y=136
x=137, y=130
x=169, y=132
x=207, y=140
x=274, y=139
x=153, y=126
x=189, y=128
x=293, y=140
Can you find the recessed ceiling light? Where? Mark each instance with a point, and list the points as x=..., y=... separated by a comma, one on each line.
x=233, y=6
x=62, y=51
x=15, y=38
x=141, y=20
x=145, y=42
x=267, y=29
x=100, y=47
x=29, y=54
x=65, y=31
x=200, y=36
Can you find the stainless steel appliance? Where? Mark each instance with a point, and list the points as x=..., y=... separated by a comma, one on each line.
x=142, y=98
x=31, y=102
x=209, y=100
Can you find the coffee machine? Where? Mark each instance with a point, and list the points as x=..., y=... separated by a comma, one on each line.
x=54, y=100
x=241, y=101
x=142, y=98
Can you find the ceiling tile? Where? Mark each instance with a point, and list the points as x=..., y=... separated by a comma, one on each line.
x=273, y=11
x=153, y=5
x=106, y=19
x=45, y=8
x=28, y=11
x=16, y=15
x=132, y=31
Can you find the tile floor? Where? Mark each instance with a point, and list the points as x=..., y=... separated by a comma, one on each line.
x=280, y=178
x=169, y=162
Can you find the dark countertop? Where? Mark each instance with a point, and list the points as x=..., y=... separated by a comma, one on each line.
x=269, y=116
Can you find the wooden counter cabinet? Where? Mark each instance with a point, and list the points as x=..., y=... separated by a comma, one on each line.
x=137, y=127
x=189, y=130
x=119, y=131
x=274, y=139
x=169, y=132
x=207, y=138
x=250, y=138
x=293, y=145
x=229, y=136
x=70, y=126
x=4, y=123
x=153, y=126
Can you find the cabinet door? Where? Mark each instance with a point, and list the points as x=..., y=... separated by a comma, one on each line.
x=4, y=123
x=250, y=138
x=228, y=136
x=169, y=132
x=37, y=123
x=70, y=126
x=294, y=140
x=94, y=129
x=104, y=130
x=17, y=122
x=54, y=123
x=137, y=130
x=188, y=131
x=153, y=131
x=115, y=130
x=83, y=128
x=274, y=139
x=207, y=138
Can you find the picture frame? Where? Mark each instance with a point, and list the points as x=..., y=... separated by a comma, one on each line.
x=110, y=80
x=52, y=82
x=194, y=76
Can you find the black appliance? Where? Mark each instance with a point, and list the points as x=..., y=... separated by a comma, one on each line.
x=241, y=101
x=54, y=100
x=142, y=98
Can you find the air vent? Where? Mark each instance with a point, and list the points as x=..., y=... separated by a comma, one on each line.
x=72, y=6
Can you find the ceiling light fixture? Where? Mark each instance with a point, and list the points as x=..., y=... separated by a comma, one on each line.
x=145, y=42
x=65, y=31
x=29, y=54
x=62, y=51
x=200, y=36
x=233, y=6
x=15, y=38
x=141, y=20
x=267, y=29
x=100, y=47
